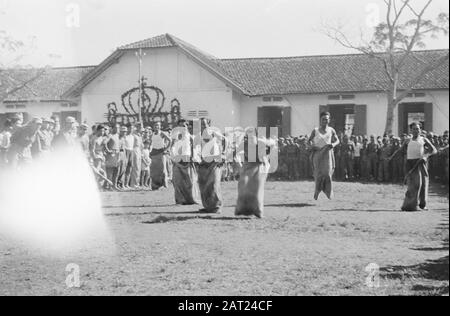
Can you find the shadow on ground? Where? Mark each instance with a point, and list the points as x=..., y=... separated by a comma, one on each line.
x=290, y=205
x=361, y=210
x=107, y=207
x=430, y=270
x=165, y=219
x=150, y=213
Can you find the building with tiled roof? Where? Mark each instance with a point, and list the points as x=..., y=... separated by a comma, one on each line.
x=286, y=92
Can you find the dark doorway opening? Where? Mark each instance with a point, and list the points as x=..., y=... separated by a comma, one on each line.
x=415, y=112
x=342, y=117
x=275, y=116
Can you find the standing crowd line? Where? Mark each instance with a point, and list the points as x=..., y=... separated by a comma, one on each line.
x=120, y=155
x=131, y=157
x=123, y=153
x=361, y=158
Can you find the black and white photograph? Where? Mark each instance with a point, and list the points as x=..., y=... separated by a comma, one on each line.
x=222, y=153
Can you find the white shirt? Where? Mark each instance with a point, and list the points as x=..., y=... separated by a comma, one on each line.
x=181, y=147
x=320, y=140
x=416, y=148
x=5, y=139
x=158, y=142
x=129, y=142
x=358, y=148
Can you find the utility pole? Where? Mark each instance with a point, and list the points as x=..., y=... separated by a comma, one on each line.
x=139, y=55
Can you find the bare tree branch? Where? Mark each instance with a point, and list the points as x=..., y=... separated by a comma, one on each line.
x=393, y=44
x=415, y=37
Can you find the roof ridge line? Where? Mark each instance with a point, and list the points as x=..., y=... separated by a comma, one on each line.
x=325, y=55
x=74, y=67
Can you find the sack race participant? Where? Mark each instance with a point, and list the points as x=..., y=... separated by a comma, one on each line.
x=184, y=174
x=323, y=139
x=253, y=175
x=210, y=168
x=160, y=144
x=418, y=149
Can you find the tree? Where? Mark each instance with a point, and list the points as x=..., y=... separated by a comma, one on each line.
x=13, y=76
x=393, y=43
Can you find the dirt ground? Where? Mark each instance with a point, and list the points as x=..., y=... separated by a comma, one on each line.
x=302, y=247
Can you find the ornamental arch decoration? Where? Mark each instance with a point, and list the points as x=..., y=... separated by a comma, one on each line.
x=153, y=109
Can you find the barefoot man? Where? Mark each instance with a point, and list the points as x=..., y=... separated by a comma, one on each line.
x=323, y=140
x=418, y=149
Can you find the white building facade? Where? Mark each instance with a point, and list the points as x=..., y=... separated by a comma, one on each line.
x=288, y=93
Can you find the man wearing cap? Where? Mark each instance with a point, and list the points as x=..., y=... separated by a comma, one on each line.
x=44, y=139
x=21, y=142
x=67, y=137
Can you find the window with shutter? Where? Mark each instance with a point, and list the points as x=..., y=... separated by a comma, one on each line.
x=360, y=127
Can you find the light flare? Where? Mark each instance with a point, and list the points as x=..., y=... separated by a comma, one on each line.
x=53, y=204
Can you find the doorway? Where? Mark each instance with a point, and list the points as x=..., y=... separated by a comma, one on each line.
x=275, y=116
x=342, y=118
x=415, y=112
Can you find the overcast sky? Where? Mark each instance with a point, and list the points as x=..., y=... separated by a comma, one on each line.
x=223, y=28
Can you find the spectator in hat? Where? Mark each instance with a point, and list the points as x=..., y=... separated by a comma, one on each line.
x=68, y=135
x=22, y=140
x=43, y=144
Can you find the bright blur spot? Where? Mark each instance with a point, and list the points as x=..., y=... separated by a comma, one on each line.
x=53, y=204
